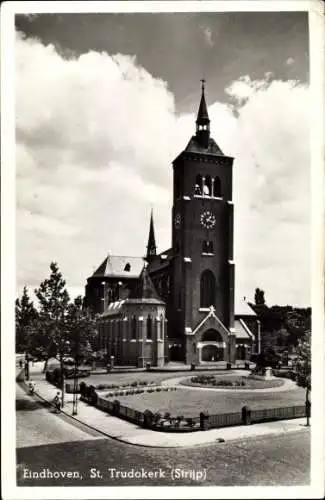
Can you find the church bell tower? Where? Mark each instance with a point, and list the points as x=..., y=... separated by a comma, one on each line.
x=202, y=240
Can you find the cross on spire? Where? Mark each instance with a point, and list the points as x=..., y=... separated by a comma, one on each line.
x=203, y=121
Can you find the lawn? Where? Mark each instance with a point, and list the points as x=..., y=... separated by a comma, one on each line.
x=122, y=378
x=190, y=402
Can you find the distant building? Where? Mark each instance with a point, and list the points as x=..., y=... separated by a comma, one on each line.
x=194, y=278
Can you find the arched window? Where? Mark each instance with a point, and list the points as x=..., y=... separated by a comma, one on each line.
x=207, y=289
x=207, y=186
x=198, y=185
x=161, y=329
x=133, y=327
x=217, y=187
x=149, y=327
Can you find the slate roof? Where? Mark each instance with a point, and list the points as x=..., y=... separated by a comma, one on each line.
x=161, y=261
x=116, y=266
x=144, y=289
x=202, y=115
x=195, y=147
x=241, y=332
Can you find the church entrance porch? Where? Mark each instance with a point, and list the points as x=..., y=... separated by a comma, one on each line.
x=211, y=352
x=212, y=347
x=210, y=341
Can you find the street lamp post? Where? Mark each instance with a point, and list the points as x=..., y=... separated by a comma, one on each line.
x=27, y=366
x=75, y=389
x=75, y=378
x=66, y=350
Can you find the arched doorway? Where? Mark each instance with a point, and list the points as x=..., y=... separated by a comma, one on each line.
x=211, y=353
x=211, y=347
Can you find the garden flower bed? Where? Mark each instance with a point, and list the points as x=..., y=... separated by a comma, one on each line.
x=133, y=391
x=126, y=385
x=231, y=382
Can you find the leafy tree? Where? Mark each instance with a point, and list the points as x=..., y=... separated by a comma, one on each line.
x=259, y=297
x=26, y=317
x=53, y=301
x=303, y=366
x=66, y=328
x=268, y=357
x=82, y=330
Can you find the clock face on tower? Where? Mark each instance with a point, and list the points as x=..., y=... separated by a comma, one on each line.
x=207, y=220
x=177, y=221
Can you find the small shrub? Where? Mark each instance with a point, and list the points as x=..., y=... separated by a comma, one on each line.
x=165, y=389
x=225, y=383
x=156, y=418
x=167, y=415
x=190, y=422
x=148, y=418
x=158, y=389
x=134, y=384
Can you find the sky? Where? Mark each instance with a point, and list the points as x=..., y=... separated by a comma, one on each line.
x=105, y=102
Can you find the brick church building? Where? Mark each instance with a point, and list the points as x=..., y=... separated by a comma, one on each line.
x=182, y=299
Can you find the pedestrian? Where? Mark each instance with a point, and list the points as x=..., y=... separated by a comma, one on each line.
x=31, y=387
x=20, y=363
x=57, y=402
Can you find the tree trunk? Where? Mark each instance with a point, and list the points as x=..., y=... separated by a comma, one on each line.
x=45, y=365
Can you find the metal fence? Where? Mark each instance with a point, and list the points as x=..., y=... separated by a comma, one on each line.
x=244, y=417
x=224, y=420
x=284, y=413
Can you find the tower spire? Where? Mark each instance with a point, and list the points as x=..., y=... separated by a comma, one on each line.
x=203, y=120
x=151, y=247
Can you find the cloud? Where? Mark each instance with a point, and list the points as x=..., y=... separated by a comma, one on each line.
x=95, y=139
x=207, y=33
